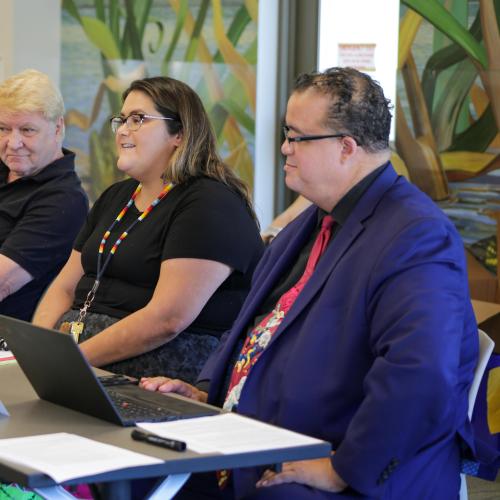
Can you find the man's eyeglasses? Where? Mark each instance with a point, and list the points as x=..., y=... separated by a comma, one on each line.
x=304, y=138
x=134, y=121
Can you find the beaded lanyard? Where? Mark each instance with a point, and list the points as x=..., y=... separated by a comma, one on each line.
x=76, y=327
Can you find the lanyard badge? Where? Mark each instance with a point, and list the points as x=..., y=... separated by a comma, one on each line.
x=75, y=328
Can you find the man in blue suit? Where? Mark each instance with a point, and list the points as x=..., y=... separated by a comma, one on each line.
x=377, y=351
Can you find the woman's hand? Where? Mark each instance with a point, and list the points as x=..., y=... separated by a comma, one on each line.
x=168, y=313
x=166, y=385
x=317, y=473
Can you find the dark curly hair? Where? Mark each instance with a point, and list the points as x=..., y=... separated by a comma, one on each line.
x=358, y=106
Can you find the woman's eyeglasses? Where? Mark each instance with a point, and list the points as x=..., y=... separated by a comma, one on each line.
x=134, y=121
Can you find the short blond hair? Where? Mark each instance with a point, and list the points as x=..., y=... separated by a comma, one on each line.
x=31, y=91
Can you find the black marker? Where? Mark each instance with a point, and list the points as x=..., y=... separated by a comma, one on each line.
x=171, y=444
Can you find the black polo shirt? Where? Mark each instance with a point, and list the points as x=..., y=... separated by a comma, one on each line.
x=40, y=216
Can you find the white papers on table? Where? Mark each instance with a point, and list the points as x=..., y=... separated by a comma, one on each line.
x=6, y=356
x=65, y=456
x=228, y=433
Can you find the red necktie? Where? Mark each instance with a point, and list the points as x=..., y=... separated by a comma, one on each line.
x=260, y=336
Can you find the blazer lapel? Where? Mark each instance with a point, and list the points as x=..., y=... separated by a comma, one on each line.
x=283, y=254
x=341, y=243
x=325, y=268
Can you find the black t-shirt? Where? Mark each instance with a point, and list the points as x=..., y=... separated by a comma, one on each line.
x=40, y=216
x=202, y=219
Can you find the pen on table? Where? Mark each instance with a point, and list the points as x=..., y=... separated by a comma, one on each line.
x=147, y=437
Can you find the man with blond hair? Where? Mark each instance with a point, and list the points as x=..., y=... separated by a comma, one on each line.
x=42, y=203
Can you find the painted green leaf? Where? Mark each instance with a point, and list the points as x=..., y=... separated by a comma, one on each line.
x=251, y=53
x=181, y=16
x=439, y=17
x=443, y=59
x=459, y=9
x=478, y=136
x=237, y=112
x=447, y=108
x=131, y=33
x=236, y=29
x=233, y=88
x=195, y=37
x=70, y=7
x=159, y=24
x=142, y=10
x=99, y=10
x=100, y=35
x=114, y=20
x=218, y=116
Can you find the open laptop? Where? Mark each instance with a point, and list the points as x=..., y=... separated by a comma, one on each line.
x=59, y=373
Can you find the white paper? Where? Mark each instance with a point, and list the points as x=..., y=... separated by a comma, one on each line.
x=228, y=433
x=6, y=356
x=65, y=456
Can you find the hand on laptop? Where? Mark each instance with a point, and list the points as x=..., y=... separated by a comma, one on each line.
x=164, y=384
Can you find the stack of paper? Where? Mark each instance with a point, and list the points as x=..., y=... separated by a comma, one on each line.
x=65, y=456
x=6, y=356
x=228, y=433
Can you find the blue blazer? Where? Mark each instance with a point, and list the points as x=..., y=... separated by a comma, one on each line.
x=377, y=353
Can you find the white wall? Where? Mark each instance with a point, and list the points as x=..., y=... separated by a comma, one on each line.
x=361, y=23
x=368, y=26
x=30, y=36
x=267, y=125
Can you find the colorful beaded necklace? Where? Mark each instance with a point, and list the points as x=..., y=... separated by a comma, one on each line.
x=101, y=269
x=76, y=327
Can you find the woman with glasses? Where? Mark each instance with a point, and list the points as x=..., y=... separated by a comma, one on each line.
x=164, y=261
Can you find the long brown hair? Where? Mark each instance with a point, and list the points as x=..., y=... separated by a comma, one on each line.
x=197, y=154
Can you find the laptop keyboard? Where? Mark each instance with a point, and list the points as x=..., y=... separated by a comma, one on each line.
x=116, y=379
x=136, y=411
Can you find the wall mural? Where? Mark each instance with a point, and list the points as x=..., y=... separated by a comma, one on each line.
x=209, y=44
x=448, y=106
x=448, y=111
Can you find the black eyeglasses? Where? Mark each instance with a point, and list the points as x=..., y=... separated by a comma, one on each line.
x=134, y=121
x=304, y=138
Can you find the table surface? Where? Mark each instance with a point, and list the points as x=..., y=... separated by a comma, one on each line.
x=31, y=416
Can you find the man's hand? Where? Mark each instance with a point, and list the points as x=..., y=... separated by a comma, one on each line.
x=317, y=473
x=164, y=384
x=12, y=277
